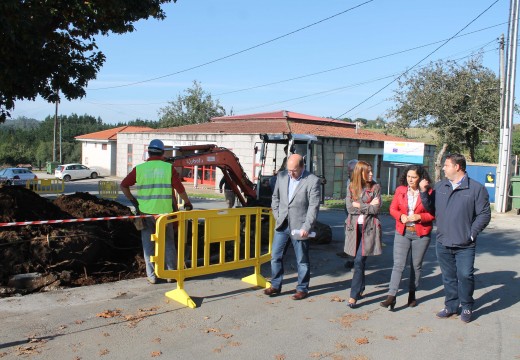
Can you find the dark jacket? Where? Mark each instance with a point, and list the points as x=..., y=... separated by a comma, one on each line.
x=399, y=206
x=460, y=214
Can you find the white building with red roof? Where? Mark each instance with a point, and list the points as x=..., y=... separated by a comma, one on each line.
x=340, y=141
x=99, y=149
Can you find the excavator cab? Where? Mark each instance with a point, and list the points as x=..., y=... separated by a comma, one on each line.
x=272, y=153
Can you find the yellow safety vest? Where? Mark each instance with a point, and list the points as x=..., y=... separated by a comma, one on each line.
x=154, y=187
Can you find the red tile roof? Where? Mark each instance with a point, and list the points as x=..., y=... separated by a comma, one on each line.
x=111, y=134
x=277, y=122
x=282, y=115
x=281, y=122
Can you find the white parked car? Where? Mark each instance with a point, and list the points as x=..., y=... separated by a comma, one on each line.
x=69, y=172
x=16, y=176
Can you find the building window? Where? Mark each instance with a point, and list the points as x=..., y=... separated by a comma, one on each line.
x=339, y=168
x=103, y=146
x=129, y=158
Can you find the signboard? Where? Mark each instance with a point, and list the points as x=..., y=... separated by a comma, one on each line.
x=490, y=180
x=403, y=152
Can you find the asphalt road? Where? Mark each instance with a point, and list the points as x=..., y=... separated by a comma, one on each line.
x=134, y=320
x=91, y=186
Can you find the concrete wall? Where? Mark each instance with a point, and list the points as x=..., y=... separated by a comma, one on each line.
x=93, y=155
x=243, y=145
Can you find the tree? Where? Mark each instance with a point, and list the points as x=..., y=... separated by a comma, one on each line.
x=194, y=107
x=516, y=141
x=47, y=47
x=460, y=103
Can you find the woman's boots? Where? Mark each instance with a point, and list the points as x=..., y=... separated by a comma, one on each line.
x=412, y=302
x=390, y=301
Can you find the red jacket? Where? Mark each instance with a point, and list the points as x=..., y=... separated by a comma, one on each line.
x=399, y=206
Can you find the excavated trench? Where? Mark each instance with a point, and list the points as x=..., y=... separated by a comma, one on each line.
x=50, y=256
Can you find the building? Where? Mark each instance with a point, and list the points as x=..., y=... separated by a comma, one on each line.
x=99, y=149
x=340, y=142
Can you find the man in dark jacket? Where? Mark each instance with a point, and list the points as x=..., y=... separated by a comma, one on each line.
x=462, y=211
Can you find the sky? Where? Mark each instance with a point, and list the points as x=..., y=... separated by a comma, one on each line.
x=327, y=58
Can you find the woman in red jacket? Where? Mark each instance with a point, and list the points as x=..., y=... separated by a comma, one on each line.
x=412, y=232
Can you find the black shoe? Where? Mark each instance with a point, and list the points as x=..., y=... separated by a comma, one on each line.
x=390, y=301
x=352, y=303
x=349, y=264
x=412, y=302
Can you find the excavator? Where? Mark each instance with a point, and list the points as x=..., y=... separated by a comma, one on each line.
x=270, y=147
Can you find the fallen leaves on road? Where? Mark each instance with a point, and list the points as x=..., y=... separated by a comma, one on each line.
x=156, y=353
x=103, y=352
x=211, y=330
x=362, y=341
x=28, y=350
x=390, y=337
x=336, y=299
x=424, y=330
x=348, y=319
x=109, y=313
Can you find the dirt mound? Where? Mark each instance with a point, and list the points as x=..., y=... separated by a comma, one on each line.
x=75, y=254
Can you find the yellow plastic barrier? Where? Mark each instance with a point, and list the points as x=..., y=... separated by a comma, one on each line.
x=108, y=189
x=222, y=229
x=46, y=186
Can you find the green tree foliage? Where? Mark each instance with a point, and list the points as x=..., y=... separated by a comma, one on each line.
x=32, y=143
x=378, y=123
x=516, y=140
x=460, y=103
x=139, y=122
x=50, y=45
x=194, y=107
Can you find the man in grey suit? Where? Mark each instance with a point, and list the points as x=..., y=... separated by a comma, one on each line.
x=295, y=204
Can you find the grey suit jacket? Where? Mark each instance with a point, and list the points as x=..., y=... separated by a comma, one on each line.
x=302, y=210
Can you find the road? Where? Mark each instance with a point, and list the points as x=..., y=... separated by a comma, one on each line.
x=134, y=320
x=91, y=186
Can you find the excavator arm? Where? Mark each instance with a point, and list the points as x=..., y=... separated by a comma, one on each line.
x=225, y=160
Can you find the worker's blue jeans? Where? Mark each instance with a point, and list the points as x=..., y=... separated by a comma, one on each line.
x=281, y=242
x=149, y=246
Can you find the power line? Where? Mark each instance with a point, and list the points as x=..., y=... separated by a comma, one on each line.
x=239, y=52
x=351, y=64
x=323, y=71
x=340, y=89
x=420, y=61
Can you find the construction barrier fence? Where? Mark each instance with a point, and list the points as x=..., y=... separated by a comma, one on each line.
x=108, y=189
x=46, y=186
x=233, y=236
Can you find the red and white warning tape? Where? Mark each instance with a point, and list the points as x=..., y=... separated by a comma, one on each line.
x=40, y=222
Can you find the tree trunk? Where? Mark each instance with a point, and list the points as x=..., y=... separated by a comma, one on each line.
x=438, y=162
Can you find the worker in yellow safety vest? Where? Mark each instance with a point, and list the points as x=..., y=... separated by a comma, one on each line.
x=155, y=181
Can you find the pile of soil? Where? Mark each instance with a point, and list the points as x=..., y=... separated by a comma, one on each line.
x=67, y=254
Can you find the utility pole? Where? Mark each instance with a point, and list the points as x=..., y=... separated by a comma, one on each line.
x=55, y=128
x=507, y=112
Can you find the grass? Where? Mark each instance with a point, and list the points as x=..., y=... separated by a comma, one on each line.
x=205, y=196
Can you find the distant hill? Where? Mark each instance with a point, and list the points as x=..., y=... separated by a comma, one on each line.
x=22, y=123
